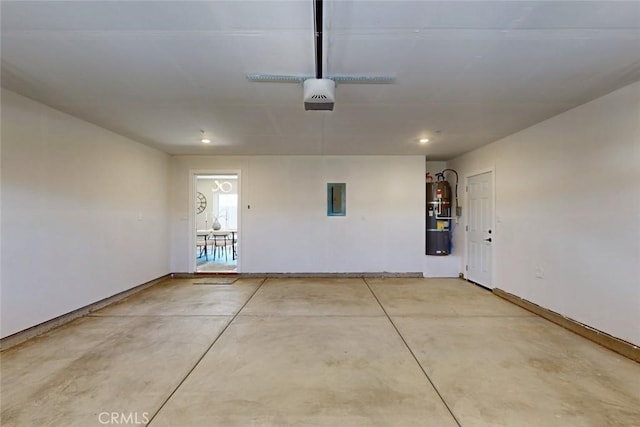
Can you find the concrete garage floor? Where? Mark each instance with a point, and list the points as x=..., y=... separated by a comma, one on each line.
x=316, y=352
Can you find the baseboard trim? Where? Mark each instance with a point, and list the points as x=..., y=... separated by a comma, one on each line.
x=622, y=347
x=22, y=336
x=332, y=275
x=296, y=275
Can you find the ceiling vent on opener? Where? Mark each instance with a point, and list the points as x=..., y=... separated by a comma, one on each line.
x=319, y=94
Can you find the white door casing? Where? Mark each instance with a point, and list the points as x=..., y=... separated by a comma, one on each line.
x=193, y=175
x=480, y=233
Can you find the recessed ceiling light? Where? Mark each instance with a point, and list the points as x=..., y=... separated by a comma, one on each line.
x=424, y=140
x=205, y=139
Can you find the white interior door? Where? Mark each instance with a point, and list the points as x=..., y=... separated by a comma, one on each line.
x=480, y=233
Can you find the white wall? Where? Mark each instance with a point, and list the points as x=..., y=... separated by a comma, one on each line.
x=84, y=213
x=287, y=228
x=568, y=203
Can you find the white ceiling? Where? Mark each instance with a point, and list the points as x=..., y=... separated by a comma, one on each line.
x=467, y=72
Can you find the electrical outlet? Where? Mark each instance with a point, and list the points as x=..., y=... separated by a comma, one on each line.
x=539, y=272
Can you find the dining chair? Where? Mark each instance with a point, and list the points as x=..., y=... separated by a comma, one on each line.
x=234, y=245
x=201, y=245
x=220, y=243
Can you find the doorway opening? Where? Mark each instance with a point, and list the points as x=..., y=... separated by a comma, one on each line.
x=216, y=222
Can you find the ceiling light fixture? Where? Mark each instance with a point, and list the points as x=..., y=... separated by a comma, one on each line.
x=424, y=140
x=204, y=139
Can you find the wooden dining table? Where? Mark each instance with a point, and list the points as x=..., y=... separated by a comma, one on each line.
x=225, y=233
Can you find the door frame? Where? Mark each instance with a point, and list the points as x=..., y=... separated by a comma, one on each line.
x=193, y=177
x=494, y=232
